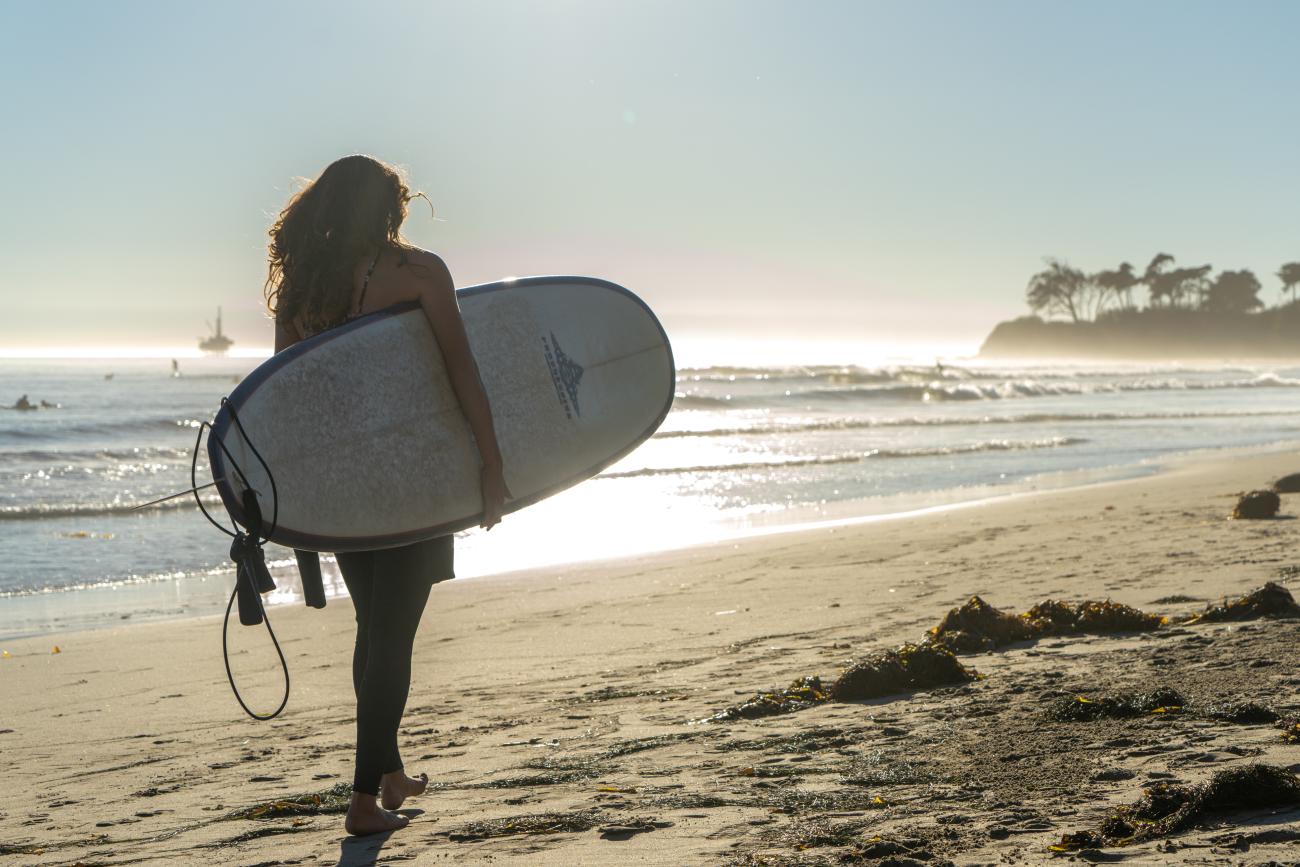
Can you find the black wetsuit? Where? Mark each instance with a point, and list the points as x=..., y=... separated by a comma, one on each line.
x=389, y=589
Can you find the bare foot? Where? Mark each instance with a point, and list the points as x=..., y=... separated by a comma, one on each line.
x=365, y=816
x=396, y=787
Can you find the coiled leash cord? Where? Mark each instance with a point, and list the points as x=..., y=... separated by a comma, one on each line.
x=252, y=578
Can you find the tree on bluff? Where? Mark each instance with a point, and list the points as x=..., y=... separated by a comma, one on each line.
x=1117, y=284
x=1058, y=289
x=1153, y=275
x=1063, y=290
x=1175, y=287
x=1234, y=292
x=1289, y=274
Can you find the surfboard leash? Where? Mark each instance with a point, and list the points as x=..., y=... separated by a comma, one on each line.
x=252, y=578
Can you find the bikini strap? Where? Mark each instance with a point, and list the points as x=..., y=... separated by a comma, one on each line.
x=365, y=284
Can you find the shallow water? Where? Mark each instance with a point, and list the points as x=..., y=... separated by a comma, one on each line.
x=743, y=448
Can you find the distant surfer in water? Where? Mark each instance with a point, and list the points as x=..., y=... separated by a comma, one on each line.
x=336, y=253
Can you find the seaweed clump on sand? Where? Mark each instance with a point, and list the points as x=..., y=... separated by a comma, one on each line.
x=22, y=849
x=1166, y=809
x=1090, y=617
x=881, y=769
x=332, y=800
x=977, y=626
x=880, y=850
x=1257, y=505
x=510, y=826
x=802, y=693
x=1161, y=700
x=1290, y=730
x=1239, y=712
x=1288, y=484
x=816, y=832
x=1271, y=600
x=908, y=668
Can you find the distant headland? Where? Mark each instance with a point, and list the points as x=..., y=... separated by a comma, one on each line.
x=1189, y=314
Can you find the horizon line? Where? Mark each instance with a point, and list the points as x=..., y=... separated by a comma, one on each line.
x=693, y=350
x=91, y=353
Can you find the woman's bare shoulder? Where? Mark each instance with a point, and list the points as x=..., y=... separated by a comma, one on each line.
x=427, y=266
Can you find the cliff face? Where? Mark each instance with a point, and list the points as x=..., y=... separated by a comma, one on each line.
x=1152, y=334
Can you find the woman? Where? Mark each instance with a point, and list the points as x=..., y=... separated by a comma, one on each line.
x=336, y=253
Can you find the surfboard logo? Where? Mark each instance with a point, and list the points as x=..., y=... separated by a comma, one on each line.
x=565, y=373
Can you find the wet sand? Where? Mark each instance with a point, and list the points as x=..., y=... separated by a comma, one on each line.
x=560, y=702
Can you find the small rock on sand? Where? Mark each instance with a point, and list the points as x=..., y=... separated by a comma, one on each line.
x=1257, y=505
x=1288, y=484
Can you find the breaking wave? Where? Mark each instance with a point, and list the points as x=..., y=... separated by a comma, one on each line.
x=873, y=454
x=845, y=424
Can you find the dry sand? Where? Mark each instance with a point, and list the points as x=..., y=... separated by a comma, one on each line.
x=571, y=691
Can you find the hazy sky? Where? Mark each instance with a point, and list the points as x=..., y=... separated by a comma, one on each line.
x=858, y=170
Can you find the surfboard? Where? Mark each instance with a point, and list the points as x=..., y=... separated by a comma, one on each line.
x=367, y=444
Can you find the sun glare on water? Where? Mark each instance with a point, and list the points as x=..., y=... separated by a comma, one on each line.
x=692, y=350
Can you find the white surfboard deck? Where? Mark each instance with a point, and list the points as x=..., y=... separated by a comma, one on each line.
x=367, y=442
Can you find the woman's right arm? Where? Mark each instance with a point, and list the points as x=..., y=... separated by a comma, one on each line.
x=438, y=299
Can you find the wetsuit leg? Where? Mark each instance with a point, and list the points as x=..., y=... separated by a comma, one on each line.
x=358, y=570
x=394, y=593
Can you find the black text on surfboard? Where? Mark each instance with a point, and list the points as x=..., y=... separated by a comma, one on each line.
x=566, y=374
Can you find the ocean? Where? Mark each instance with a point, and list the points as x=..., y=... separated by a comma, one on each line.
x=744, y=450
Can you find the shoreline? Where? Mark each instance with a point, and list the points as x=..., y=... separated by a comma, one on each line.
x=110, y=605
x=572, y=694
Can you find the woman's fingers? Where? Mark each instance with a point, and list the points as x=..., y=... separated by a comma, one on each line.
x=495, y=493
x=491, y=511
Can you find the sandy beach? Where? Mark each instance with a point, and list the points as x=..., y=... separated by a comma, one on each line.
x=557, y=712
